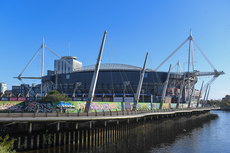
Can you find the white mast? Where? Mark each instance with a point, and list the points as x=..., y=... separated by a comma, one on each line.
x=198, y=100
x=137, y=96
x=165, y=88
x=181, y=91
x=95, y=76
x=42, y=69
x=190, y=51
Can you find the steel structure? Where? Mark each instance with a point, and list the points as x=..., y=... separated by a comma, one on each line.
x=165, y=88
x=95, y=76
x=191, y=74
x=42, y=47
x=137, y=95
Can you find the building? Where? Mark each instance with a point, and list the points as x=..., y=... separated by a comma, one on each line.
x=20, y=90
x=67, y=64
x=114, y=80
x=3, y=87
x=25, y=90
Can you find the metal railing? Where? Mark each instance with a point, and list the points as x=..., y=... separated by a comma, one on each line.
x=96, y=113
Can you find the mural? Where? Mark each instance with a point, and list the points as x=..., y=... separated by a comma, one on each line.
x=79, y=106
x=13, y=106
x=41, y=107
x=165, y=106
x=173, y=106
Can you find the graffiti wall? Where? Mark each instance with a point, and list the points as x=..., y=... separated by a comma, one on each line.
x=13, y=106
x=79, y=106
x=41, y=107
x=173, y=105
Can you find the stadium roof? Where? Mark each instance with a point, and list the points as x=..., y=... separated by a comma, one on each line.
x=111, y=66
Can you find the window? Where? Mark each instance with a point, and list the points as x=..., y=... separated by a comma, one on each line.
x=67, y=76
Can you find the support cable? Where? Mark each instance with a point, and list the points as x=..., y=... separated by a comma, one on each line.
x=204, y=55
x=31, y=60
x=171, y=54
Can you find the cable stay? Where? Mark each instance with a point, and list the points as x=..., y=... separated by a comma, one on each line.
x=171, y=54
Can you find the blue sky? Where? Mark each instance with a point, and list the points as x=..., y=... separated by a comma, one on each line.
x=134, y=27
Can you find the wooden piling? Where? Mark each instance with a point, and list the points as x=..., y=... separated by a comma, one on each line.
x=59, y=138
x=19, y=143
x=55, y=139
x=32, y=142
x=74, y=137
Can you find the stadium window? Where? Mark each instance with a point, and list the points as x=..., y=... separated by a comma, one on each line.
x=67, y=76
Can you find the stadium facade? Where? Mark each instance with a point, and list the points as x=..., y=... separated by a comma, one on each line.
x=118, y=81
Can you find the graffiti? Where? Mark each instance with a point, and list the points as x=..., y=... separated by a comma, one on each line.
x=14, y=107
x=144, y=106
x=173, y=105
x=113, y=106
x=165, y=106
x=75, y=106
x=38, y=107
x=65, y=106
x=104, y=106
x=127, y=106
x=149, y=106
x=81, y=106
x=139, y=106
x=185, y=106
x=94, y=106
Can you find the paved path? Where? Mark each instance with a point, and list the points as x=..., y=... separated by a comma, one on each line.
x=30, y=117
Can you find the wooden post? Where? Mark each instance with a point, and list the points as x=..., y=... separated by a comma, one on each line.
x=19, y=143
x=25, y=143
x=59, y=138
x=74, y=137
x=78, y=140
x=55, y=139
x=69, y=139
x=64, y=138
x=32, y=142
x=38, y=144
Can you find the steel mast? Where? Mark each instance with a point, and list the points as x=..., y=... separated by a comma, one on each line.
x=190, y=52
x=198, y=100
x=137, y=95
x=42, y=69
x=95, y=76
x=165, y=88
x=181, y=91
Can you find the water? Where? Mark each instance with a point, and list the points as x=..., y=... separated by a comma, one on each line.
x=206, y=134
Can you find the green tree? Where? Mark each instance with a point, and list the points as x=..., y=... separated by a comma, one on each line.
x=5, y=144
x=55, y=96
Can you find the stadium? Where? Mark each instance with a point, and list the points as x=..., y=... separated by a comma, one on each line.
x=114, y=81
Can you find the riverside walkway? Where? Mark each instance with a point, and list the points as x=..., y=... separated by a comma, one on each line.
x=95, y=116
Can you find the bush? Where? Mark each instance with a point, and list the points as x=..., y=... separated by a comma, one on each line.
x=5, y=144
x=55, y=96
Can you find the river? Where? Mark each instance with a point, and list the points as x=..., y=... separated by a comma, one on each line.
x=204, y=134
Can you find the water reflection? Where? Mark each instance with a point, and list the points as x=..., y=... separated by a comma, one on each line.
x=153, y=137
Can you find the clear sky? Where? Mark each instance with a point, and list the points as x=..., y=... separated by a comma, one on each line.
x=134, y=27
